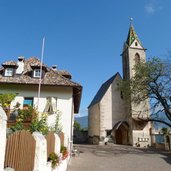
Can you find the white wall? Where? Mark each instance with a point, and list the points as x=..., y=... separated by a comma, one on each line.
x=106, y=111
x=118, y=104
x=94, y=120
x=63, y=95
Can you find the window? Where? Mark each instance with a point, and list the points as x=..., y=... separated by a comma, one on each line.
x=9, y=72
x=137, y=58
x=136, y=44
x=51, y=105
x=121, y=95
x=36, y=73
x=28, y=101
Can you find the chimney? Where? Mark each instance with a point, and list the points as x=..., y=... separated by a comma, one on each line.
x=54, y=67
x=20, y=63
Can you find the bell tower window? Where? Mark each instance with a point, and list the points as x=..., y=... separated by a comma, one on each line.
x=137, y=58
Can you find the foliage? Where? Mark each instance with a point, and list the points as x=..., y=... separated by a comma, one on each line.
x=57, y=128
x=77, y=125
x=165, y=131
x=64, y=152
x=27, y=113
x=23, y=115
x=152, y=81
x=53, y=157
x=30, y=114
x=39, y=124
x=6, y=99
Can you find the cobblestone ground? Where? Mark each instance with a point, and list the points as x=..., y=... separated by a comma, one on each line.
x=119, y=158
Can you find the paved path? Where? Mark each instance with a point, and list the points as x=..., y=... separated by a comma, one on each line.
x=119, y=158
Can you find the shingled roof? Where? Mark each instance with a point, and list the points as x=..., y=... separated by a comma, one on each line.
x=51, y=78
x=101, y=92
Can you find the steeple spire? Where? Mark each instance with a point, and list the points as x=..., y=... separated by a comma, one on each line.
x=131, y=21
x=132, y=35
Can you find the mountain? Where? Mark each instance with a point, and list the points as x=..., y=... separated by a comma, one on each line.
x=83, y=121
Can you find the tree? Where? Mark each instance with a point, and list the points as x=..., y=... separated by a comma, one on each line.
x=77, y=125
x=152, y=80
x=5, y=101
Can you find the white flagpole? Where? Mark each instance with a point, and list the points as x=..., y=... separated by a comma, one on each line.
x=40, y=79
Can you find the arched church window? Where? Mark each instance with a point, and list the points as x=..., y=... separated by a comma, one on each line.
x=121, y=95
x=136, y=44
x=137, y=58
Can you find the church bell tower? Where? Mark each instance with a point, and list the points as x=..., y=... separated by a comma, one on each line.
x=134, y=52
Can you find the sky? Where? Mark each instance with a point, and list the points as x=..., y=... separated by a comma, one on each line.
x=84, y=37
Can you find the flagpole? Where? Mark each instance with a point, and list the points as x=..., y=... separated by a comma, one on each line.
x=40, y=79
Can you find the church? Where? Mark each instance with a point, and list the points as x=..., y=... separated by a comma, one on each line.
x=109, y=114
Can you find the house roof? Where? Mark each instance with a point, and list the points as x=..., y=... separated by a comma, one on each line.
x=101, y=92
x=9, y=63
x=51, y=78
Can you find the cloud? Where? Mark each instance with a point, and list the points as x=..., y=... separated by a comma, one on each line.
x=153, y=6
x=150, y=8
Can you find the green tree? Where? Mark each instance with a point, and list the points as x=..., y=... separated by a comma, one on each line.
x=151, y=81
x=77, y=125
x=6, y=99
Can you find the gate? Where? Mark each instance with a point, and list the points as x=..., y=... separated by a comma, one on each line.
x=20, y=151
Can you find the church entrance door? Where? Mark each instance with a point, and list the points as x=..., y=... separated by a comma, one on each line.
x=121, y=134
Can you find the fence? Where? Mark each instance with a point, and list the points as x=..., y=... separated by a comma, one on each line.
x=50, y=138
x=20, y=151
x=62, y=138
x=24, y=151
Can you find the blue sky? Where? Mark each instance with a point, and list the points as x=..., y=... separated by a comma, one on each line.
x=84, y=37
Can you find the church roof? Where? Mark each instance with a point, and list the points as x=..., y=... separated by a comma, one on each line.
x=101, y=92
x=132, y=36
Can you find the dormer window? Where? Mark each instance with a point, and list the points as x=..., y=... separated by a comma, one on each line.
x=36, y=73
x=9, y=72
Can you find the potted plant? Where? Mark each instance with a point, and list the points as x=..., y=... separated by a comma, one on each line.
x=54, y=159
x=64, y=152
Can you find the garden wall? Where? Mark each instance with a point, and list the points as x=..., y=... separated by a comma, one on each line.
x=29, y=152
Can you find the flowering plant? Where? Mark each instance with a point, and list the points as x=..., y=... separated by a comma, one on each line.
x=54, y=158
x=64, y=152
x=39, y=124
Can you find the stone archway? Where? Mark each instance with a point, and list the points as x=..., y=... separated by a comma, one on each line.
x=121, y=133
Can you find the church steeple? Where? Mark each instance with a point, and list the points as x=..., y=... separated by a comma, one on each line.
x=133, y=52
x=132, y=36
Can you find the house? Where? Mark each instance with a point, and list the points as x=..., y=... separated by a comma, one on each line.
x=58, y=91
x=110, y=114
